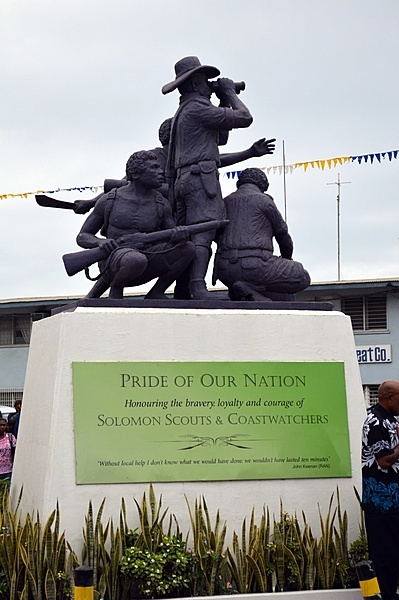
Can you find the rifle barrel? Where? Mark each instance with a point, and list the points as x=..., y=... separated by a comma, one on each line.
x=77, y=261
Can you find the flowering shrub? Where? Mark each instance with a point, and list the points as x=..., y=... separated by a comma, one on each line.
x=167, y=570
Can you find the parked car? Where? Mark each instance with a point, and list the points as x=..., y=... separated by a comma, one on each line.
x=6, y=410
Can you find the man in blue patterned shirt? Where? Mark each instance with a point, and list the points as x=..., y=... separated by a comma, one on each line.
x=380, y=494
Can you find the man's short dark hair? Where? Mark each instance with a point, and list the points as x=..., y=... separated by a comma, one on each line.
x=136, y=163
x=255, y=176
x=164, y=132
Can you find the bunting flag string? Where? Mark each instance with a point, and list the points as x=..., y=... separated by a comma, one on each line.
x=322, y=163
x=93, y=188
x=276, y=169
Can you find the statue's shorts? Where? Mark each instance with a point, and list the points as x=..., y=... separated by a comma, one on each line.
x=198, y=194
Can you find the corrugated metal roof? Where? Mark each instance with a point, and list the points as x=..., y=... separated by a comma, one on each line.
x=52, y=301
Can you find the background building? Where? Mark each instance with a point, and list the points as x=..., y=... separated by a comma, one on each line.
x=373, y=306
x=16, y=318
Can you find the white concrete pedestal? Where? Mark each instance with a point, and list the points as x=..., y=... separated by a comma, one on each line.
x=45, y=458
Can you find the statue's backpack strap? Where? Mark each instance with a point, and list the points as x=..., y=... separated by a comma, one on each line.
x=111, y=196
x=160, y=202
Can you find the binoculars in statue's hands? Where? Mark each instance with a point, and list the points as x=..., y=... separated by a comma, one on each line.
x=239, y=86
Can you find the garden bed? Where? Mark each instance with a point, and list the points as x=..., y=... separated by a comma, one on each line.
x=349, y=594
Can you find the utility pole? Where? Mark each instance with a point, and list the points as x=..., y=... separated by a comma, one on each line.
x=339, y=183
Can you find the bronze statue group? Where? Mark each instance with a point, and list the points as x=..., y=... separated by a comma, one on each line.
x=146, y=220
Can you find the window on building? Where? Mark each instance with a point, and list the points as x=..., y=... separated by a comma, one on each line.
x=366, y=312
x=9, y=395
x=370, y=394
x=15, y=330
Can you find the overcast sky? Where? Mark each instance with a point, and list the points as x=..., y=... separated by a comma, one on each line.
x=81, y=90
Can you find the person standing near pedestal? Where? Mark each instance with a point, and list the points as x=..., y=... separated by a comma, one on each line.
x=380, y=482
x=198, y=128
x=7, y=449
x=13, y=418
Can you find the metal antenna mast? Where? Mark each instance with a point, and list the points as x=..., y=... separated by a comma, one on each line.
x=284, y=185
x=339, y=183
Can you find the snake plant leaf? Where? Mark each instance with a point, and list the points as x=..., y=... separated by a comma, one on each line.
x=259, y=575
x=24, y=595
x=50, y=586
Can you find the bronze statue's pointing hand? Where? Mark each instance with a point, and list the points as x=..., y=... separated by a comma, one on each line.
x=262, y=147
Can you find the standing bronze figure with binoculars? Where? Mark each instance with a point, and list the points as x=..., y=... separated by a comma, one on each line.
x=198, y=128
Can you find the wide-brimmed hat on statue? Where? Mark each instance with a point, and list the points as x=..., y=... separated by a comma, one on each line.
x=188, y=66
